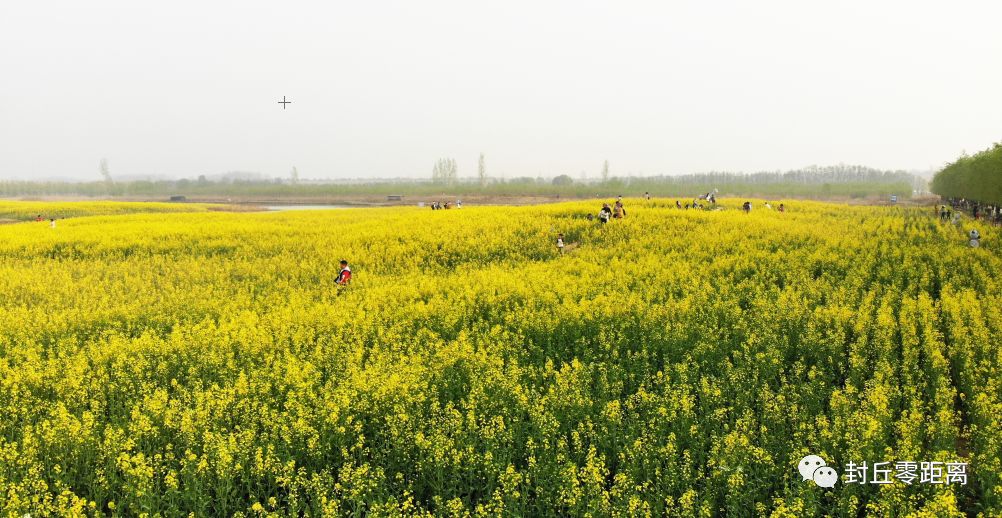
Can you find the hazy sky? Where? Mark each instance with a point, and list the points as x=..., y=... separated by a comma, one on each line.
x=181, y=88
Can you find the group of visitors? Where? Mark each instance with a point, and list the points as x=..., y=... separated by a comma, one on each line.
x=697, y=202
x=694, y=205
x=946, y=214
x=617, y=211
x=52, y=221
x=437, y=205
x=990, y=213
x=950, y=212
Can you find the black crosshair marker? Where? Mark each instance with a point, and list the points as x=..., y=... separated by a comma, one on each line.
x=283, y=102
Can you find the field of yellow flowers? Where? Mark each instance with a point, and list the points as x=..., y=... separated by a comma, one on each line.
x=12, y=211
x=672, y=363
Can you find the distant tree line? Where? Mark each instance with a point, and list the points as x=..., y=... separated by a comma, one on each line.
x=977, y=177
x=818, y=182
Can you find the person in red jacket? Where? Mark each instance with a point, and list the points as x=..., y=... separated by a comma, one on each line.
x=344, y=276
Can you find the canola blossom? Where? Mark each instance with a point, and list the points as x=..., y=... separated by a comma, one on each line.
x=672, y=363
x=24, y=211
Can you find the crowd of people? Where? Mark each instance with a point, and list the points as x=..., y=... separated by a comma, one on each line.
x=950, y=212
x=990, y=213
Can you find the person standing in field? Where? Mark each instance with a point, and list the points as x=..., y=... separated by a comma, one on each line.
x=52, y=223
x=647, y=195
x=560, y=244
x=678, y=204
x=38, y=218
x=343, y=276
x=975, y=238
x=781, y=208
x=620, y=208
x=604, y=214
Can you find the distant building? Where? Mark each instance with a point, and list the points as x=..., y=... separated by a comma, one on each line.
x=395, y=197
x=178, y=198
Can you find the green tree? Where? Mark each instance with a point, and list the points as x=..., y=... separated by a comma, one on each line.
x=105, y=173
x=445, y=171
x=563, y=180
x=976, y=177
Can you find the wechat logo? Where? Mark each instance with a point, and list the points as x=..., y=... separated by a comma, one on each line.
x=815, y=468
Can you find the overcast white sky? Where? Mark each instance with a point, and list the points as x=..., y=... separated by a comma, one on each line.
x=383, y=88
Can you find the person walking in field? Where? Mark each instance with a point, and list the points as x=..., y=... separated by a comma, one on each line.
x=647, y=196
x=560, y=244
x=343, y=276
x=52, y=223
x=678, y=204
x=39, y=218
x=781, y=208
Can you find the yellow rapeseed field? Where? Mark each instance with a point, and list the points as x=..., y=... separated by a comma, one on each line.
x=674, y=363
